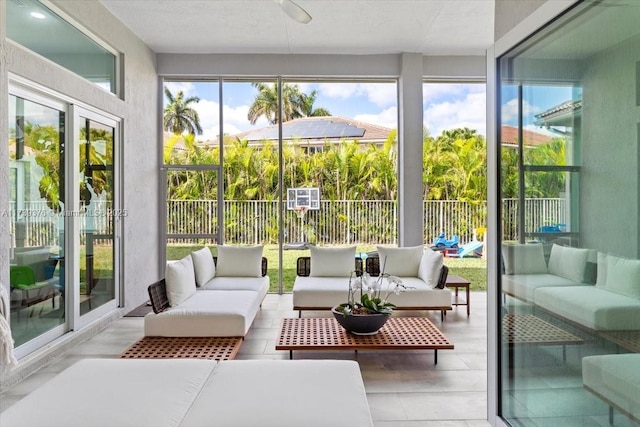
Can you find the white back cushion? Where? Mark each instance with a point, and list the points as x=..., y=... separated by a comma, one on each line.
x=332, y=262
x=180, y=279
x=203, y=266
x=623, y=276
x=430, y=266
x=567, y=262
x=524, y=259
x=401, y=262
x=239, y=261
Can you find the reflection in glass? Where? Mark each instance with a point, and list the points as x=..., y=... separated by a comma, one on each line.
x=36, y=27
x=569, y=313
x=36, y=162
x=97, y=284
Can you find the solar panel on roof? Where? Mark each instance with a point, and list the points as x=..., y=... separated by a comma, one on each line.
x=317, y=129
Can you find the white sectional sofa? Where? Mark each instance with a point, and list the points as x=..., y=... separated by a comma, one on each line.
x=608, y=300
x=615, y=378
x=322, y=280
x=206, y=296
x=197, y=393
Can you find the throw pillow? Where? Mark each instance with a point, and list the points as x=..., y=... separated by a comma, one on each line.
x=180, y=280
x=203, y=265
x=401, y=262
x=623, y=276
x=239, y=261
x=601, y=280
x=523, y=259
x=430, y=266
x=568, y=262
x=332, y=262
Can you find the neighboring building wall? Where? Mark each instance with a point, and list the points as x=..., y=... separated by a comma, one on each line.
x=139, y=111
x=610, y=193
x=508, y=13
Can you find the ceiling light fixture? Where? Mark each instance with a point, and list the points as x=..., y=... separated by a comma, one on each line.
x=37, y=15
x=294, y=11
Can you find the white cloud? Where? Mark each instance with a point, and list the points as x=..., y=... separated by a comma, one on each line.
x=380, y=94
x=510, y=110
x=235, y=119
x=387, y=118
x=187, y=88
x=469, y=112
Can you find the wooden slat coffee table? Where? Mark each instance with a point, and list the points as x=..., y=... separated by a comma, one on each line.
x=216, y=348
x=529, y=329
x=399, y=333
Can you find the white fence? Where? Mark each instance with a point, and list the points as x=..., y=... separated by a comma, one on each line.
x=336, y=222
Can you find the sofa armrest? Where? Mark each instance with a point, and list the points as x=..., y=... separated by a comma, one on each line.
x=158, y=296
x=303, y=266
x=264, y=267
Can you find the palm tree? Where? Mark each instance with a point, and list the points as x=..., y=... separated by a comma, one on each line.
x=179, y=116
x=307, y=106
x=266, y=103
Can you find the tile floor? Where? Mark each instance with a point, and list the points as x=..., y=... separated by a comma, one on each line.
x=404, y=389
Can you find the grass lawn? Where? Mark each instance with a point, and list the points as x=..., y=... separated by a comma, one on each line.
x=472, y=269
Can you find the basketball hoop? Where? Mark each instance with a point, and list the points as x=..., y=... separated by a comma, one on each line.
x=300, y=211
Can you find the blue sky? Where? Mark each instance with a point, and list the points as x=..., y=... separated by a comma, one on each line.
x=446, y=105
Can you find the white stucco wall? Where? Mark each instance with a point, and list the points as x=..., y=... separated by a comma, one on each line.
x=609, y=178
x=140, y=129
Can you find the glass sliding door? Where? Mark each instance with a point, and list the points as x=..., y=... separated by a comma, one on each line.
x=568, y=316
x=98, y=213
x=37, y=227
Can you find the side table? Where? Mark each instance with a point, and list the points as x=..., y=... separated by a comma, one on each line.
x=457, y=282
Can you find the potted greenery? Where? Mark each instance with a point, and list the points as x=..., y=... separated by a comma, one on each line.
x=368, y=314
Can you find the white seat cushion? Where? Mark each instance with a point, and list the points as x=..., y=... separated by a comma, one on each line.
x=523, y=286
x=257, y=284
x=326, y=292
x=206, y=314
x=93, y=392
x=616, y=378
x=591, y=306
x=283, y=393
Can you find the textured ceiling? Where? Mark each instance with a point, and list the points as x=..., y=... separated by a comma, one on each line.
x=431, y=27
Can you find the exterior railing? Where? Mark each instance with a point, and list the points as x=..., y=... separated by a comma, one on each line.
x=336, y=222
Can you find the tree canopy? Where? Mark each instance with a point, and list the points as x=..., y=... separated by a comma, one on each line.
x=295, y=104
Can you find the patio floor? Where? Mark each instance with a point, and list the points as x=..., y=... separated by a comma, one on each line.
x=404, y=388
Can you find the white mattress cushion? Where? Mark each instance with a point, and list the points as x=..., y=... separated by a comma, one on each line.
x=326, y=292
x=203, y=266
x=283, y=393
x=523, y=258
x=401, y=262
x=239, y=261
x=523, y=286
x=332, y=262
x=568, y=262
x=180, y=280
x=94, y=392
x=591, y=306
x=430, y=265
x=615, y=377
x=257, y=284
x=206, y=314
x=623, y=276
